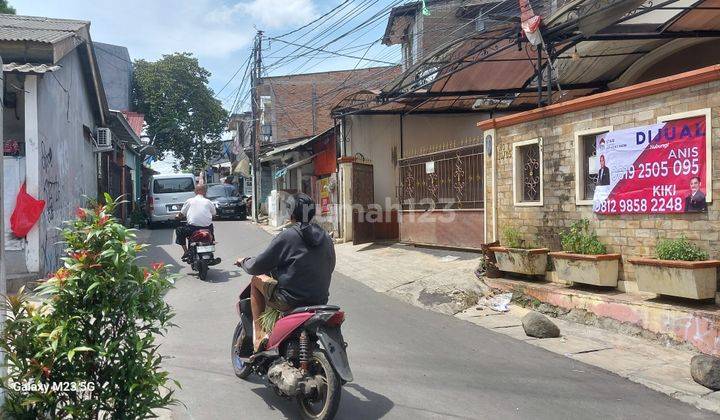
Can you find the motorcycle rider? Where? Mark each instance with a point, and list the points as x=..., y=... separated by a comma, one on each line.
x=294, y=270
x=199, y=212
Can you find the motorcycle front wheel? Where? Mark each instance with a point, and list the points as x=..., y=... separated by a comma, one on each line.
x=324, y=406
x=240, y=347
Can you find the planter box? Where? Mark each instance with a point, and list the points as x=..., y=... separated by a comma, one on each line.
x=531, y=262
x=598, y=270
x=687, y=279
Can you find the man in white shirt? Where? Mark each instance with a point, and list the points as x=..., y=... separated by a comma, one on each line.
x=199, y=212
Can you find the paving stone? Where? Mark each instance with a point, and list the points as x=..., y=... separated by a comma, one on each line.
x=675, y=377
x=621, y=362
x=504, y=320
x=570, y=345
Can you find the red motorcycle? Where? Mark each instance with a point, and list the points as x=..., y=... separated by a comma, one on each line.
x=201, y=252
x=304, y=357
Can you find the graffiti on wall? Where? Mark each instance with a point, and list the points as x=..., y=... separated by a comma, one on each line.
x=50, y=192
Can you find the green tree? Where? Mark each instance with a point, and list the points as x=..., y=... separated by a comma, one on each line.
x=182, y=113
x=6, y=8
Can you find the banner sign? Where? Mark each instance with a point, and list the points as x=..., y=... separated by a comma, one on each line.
x=656, y=169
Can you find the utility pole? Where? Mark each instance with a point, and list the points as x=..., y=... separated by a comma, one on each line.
x=254, y=136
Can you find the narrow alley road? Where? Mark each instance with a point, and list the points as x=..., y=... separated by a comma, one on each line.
x=408, y=363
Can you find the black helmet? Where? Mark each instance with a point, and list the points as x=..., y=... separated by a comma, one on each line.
x=302, y=207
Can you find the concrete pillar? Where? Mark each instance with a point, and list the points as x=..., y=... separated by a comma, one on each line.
x=32, y=168
x=345, y=192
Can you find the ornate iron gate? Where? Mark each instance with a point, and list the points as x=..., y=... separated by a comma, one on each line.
x=449, y=179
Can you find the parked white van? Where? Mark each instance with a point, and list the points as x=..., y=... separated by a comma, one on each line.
x=167, y=195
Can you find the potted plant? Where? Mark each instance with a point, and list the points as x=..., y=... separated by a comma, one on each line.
x=584, y=259
x=680, y=269
x=517, y=256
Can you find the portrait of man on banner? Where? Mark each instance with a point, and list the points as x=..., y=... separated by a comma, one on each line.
x=695, y=202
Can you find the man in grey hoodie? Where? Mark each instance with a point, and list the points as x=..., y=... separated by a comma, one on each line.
x=295, y=269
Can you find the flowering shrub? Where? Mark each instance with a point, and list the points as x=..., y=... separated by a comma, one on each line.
x=84, y=345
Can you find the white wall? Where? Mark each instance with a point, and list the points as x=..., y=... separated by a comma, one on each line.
x=68, y=165
x=377, y=137
x=423, y=131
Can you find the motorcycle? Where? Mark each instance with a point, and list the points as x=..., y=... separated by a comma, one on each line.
x=201, y=249
x=304, y=357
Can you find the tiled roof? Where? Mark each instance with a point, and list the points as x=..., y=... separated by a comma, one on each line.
x=37, y=29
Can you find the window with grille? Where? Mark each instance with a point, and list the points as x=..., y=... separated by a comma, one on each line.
x=586, y=164
x=528, y=173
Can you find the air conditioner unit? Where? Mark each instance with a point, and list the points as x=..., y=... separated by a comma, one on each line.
x=104, y=139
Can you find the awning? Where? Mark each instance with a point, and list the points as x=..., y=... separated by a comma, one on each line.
x=281, y=172
x=289, y=147
x=292, y=146
x=122, y=130
x=29, y=68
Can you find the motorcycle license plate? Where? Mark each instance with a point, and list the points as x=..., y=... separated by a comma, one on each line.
x=206, y=248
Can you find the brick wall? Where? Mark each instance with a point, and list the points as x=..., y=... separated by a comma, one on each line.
x=630, y=235
x=292, y=98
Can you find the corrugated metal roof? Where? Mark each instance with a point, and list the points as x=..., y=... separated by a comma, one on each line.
x=29, y=68
x=37, y=29
x=136, y=121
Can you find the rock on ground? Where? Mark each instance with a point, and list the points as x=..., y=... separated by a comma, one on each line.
x=705, y=370
x=538, y=325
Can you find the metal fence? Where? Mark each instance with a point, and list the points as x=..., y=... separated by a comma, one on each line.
x=448, y=179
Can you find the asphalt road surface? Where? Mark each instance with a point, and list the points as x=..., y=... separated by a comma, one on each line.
x=408, y=363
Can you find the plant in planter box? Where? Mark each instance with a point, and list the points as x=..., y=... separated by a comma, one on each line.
x=679, y=249
x=517, y=256
x=584, y=258
x=88, y=334
x=681, y=269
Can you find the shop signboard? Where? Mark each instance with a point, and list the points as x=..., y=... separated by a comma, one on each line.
x=655, y=169
x=324, y=185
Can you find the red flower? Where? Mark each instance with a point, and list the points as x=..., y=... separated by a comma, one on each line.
x=46, y=372
x=99, y=209
x=104, y=220
x=146, y=273
x=80, y=256
x=157, y=265
x=62, y=274
x=80, y=213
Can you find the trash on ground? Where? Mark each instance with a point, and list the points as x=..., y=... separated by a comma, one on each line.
x=499, y=303
x=449, y=258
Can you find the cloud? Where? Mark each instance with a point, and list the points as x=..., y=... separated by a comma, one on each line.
x=273, y=14
x=154, y=27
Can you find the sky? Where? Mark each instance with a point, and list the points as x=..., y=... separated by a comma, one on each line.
x=218, y=32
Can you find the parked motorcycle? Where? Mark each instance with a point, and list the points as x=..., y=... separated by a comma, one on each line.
x=304, y=357
x=201, y=249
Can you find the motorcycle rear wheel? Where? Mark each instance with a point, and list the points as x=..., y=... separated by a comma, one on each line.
x=328, y=404
x=202, y=269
